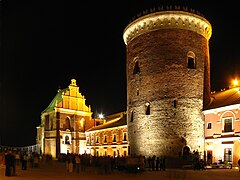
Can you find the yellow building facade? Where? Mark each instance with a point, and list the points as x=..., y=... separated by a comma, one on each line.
x=64, y=122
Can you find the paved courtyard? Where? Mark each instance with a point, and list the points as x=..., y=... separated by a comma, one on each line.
x=56, y=170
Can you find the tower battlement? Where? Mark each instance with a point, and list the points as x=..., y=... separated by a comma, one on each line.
x=166, y=20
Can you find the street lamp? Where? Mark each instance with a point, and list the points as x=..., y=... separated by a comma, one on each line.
x=235, y=83
x=101, y=116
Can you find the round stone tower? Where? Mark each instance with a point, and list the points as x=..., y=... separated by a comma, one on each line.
x=168, y=82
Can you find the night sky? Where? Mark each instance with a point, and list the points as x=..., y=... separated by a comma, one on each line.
x=44, y=44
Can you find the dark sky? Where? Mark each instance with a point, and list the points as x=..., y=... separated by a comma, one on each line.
x=44, y=44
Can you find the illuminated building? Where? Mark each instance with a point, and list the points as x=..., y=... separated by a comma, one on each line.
x=222, y=127
x=168, y=82
x=110, y=138
x=170, y=109
x=64, y=122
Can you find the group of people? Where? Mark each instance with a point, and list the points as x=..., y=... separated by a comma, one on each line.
x=12, y=159
x=157, y=163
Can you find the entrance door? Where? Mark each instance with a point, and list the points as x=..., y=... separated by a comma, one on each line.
x=209, y=157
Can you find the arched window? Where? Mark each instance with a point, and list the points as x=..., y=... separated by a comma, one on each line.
x=114, y=138
x=136, y=68
x=137, y=91
x=191, y=60
x=67, y=122
x=147, y=108
x=186, y=151
x=67, y=140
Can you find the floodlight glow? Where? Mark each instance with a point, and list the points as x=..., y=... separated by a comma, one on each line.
x=101, y=116
x=235, y=82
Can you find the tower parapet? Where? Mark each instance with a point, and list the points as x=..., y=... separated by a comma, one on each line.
x=166, y=20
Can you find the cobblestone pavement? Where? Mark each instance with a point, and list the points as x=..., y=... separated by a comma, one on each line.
x=56, y=170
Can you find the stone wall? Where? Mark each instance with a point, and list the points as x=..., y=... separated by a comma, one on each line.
x=175, y=93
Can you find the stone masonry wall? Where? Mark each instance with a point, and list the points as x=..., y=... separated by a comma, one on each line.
x=176, y=94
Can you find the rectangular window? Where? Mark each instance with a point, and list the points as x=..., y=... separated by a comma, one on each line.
x=92, y=140
x=105, y=139
x=124, y=136
x=228, y=125
x=228, y=154
x=209, y=125
x=114, y=138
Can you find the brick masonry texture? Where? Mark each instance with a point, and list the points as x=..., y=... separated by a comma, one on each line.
x=176, y=94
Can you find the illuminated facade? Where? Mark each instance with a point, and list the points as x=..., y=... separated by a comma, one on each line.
x=222, y=127
x=64, y=122
x=110, y=138
x=169, y=104
x=168, y=82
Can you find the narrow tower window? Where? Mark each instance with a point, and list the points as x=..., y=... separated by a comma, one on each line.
x=137, y=92
x=131, y=116
x=136, y=69
x=175, y=103
x=147, y=111
x=191, y=61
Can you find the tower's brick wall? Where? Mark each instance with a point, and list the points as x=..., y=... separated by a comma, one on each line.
x=176, y=93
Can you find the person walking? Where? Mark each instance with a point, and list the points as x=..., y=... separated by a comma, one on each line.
x=8, y=163
x=24, y=161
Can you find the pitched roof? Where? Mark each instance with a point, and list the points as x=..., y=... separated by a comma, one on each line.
x=56, y=99
x=119, y=119
x=225, y=98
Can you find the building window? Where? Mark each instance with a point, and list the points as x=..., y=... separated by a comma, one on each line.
x=131, y=118
x=67, y=140
x=191, y=61
x=227, y=125
x=175, y=103
x=228, y=154
x=136, y=68
x=147, y=108
x=105, y=139
x=92, y=142
x=114, y=138
x=68, y=125
x=209, y=125
x=88, y=140
x=124, y=136
x=137, y=92
x=97, y=140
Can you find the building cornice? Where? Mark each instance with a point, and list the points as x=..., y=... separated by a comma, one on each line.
x=105, y=129
x=220, y=109
x=167, y=20
x=75, y=112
